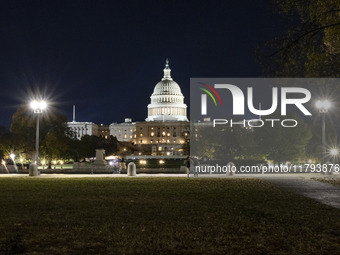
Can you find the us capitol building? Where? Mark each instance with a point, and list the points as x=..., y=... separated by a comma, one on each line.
x=164, y=131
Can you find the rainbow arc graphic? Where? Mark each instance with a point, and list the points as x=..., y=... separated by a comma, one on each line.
x=210, y=94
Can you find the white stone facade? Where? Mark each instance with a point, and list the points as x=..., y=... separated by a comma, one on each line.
x=83, y=128
x=124, y=132
x=167, y=100
x=177, y=132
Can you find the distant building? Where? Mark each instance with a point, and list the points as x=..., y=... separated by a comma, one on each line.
x=165, y=130
x=83, y=128
x=164, y=138
x=167, y=100
x=104, y=131
x=125, y=131
x=176, y=132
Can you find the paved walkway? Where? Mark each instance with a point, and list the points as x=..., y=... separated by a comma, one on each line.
x=323, y=192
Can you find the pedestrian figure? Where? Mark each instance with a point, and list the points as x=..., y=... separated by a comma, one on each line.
x=197, y=163
x=187, y=164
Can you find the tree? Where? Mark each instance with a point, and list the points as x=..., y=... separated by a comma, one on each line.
x=111, y=145
x=73, y=151
x=13, y=143
x=88, y=146
x=203, y=144
x=54, y=134
x=3, y=143
x=23, y=125
x=54, y=146
x=282, y=144
x=314, y=146
x=311, y=47
x=223, y=143
x=3, y=131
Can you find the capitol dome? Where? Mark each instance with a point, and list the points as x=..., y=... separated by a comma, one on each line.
x=167, y=87
x=167, y=100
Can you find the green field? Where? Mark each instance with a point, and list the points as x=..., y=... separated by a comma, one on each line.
x=161, y=216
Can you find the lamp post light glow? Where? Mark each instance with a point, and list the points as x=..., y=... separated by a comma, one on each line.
x=334, y=152
x=38, y=108
x=323, y=106
x=161, y=162
x=142, y=162
x=12, y=156
x=3, y=162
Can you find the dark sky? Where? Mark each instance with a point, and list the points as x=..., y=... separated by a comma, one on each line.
x=106, y=56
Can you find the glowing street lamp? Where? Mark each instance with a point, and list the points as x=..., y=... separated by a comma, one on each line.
x=161, y=162
x=3, y=162
x=142, y=162
x=38, y=108
x=12, y=156
x=334, y=152
x=61, y=164
x=323, y=106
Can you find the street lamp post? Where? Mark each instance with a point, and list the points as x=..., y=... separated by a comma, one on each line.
x=323, y=106
x=38, y=107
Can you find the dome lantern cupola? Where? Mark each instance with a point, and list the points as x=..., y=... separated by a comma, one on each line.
x=167, y=71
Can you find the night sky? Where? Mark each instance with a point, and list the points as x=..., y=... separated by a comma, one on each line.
x=106, y=56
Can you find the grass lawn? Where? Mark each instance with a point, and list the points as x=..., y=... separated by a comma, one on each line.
x=161, y=216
